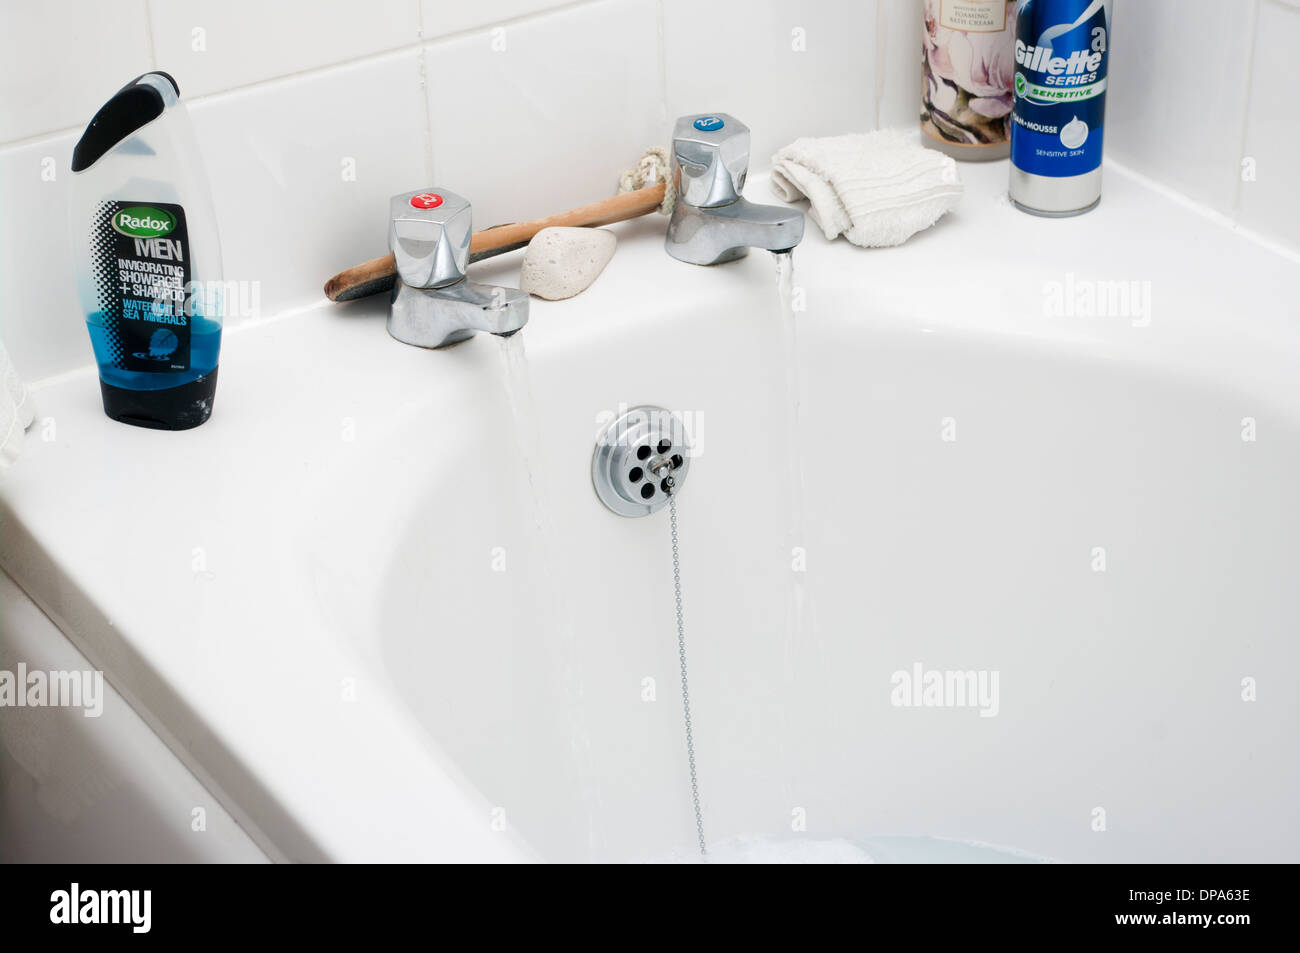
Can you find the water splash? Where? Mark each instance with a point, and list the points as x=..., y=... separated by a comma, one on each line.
x=766, y=849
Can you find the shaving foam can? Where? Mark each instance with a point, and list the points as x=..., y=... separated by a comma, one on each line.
x=1062, y=58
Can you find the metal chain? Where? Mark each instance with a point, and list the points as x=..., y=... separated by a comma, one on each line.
x=686, y=694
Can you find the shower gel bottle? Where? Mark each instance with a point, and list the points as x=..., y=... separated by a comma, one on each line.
x=148, y=257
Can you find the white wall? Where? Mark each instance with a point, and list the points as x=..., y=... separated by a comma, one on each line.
x=530, y=106
x=1203, y=101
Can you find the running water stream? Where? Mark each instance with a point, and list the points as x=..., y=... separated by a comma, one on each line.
x=552, y=587
x=517, y=384
x=800, y=628
x=797, y=530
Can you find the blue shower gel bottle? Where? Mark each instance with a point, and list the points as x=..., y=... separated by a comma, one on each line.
x=148, y=257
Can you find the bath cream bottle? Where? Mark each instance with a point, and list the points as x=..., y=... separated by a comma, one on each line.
x=968, y=67
x=148, y=257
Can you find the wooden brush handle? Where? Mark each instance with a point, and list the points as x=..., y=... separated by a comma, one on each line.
x=376, y=275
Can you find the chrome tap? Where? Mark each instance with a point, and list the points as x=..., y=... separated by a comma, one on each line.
x=711, y=221
x=433, y=303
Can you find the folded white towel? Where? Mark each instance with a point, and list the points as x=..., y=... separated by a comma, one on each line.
x=876, y=189
x=16, y=411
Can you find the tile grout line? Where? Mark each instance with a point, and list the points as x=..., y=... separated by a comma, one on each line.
x=661, y=49
x=420, y=43
x=148, y=32
x=38, y=138
x=422, y=72
x=878, y=77
x=1243, y=133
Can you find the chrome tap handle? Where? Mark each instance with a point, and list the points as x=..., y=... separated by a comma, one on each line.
x=428, y=234
x=710, y=159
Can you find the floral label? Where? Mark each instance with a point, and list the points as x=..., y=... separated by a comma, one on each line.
x=968, y=64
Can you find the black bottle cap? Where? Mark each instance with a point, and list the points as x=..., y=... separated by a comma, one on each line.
x=176, y=408
x=132, y=106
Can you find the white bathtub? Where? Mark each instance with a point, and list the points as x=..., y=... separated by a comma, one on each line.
x=370, y=637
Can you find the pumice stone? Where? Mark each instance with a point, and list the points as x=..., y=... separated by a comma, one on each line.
x=561, y=262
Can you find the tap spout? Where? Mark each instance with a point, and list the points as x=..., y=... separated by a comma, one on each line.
x=709, y=236
x=438, y=317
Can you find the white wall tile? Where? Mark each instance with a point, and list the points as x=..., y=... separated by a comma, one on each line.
x=40, y=317
x=280, y=158
x=243, y=41
x=739, y=57
x=898, y=63
x=551, y=120
x=1271, y=203
x=441, y=17
x=60, y=60
x=1177, y=100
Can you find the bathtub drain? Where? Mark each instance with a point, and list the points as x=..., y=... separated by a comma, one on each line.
x=681, y=655
x=635, y=456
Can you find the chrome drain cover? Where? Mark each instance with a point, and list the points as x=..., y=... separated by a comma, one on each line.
x=638, y=459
